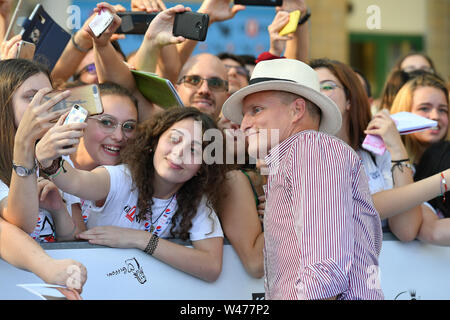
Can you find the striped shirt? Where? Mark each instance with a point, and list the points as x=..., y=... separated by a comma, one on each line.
x=322, y=233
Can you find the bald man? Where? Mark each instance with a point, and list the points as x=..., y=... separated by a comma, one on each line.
x=203, y=84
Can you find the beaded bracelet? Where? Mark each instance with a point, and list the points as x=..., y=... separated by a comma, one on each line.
x=152, y=244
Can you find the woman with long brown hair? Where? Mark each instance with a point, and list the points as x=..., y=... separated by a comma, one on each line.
x=164, y=189
x=24, y=117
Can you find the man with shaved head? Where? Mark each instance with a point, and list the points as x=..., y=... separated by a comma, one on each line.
x=203, y=84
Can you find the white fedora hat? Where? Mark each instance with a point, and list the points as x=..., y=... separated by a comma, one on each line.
x=291, y=76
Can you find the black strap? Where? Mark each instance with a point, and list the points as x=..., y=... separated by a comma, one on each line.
x=258, y=80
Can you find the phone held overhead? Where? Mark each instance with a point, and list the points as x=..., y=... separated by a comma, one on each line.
x=191, y=25
x=135, y=22
x=101, y=22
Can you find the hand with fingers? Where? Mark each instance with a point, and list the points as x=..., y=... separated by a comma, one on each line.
x=111, y=236
x=159, y=31
x=38, y=117
x=60, y=140
x=9, y=49
x=261, y=207
x=382, y=125
x=277, y=42
x=219, y=10
x=108, y=34
x=49, y=197
x=66, y=272
x=148, y=5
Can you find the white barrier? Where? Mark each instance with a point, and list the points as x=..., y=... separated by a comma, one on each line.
x=411, y=270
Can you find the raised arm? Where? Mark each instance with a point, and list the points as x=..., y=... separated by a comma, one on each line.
x=5, y=18
x=298, y=46
x=88, y=185
x=21, y=208
x=157, y=36
x=110, y=67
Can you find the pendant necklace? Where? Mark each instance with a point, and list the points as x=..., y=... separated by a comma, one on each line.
x=152, y=227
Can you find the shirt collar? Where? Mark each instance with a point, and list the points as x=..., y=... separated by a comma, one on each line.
x=279, y=151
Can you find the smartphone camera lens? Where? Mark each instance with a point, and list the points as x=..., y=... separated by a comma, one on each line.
x=198, y=25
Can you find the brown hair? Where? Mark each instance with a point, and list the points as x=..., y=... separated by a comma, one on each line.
x=359, y=113
x=138, y=155
x=13, y=73
x=404, y=101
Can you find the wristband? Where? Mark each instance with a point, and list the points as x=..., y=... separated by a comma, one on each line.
x=444, y=187
x=78, y=47
x=56, y=164
x=152, y=244
x=305, y=17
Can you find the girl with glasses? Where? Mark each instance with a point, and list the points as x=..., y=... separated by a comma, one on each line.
x=159, y=192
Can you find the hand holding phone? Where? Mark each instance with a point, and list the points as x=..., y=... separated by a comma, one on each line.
x=87, y=96
x=101, y=22
x=76, y=115
x=26, y=50
x=191, y=25
x=291, y=26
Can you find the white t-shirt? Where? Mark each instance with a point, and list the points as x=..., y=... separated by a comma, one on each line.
x=120, y=209
x=45, y=229
x=378, y=172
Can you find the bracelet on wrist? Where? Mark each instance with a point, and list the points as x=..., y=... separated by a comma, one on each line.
x=400, y=164
x=305, y=17
x=54, y=167
x=443, y=186
x=78, y=47
x=152, y=244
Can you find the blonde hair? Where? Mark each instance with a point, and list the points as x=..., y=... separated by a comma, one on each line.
x=404, y=101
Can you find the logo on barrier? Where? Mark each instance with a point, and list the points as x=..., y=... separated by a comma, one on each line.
x=407, y=295
x=131, y=266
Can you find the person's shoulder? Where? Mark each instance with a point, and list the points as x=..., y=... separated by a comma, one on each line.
x=325, y=141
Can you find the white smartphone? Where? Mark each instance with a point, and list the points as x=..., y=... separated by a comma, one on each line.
x=101, y=22
x=77, y=114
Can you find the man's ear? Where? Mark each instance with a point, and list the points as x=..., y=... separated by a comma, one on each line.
x=298, y=109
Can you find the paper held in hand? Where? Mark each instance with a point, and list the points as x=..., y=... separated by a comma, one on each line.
x=406, y=123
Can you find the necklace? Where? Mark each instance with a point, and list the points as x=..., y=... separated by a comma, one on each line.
x=152, y=227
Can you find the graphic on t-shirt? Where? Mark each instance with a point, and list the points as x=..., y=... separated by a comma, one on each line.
x=45, y=229
x=130, y=212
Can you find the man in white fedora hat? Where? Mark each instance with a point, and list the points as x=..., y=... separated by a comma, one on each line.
x=322, y=233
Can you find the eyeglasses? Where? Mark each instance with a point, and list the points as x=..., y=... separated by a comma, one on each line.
x=239, y=70
x=328, y=86
x=109, y=124
x=215, y=84
x=90, y=68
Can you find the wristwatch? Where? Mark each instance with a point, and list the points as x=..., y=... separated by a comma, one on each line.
x=24, y=172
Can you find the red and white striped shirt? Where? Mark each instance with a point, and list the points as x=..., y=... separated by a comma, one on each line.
x=322, y=233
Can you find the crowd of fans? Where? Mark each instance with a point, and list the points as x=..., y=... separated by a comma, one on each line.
x=80, y=177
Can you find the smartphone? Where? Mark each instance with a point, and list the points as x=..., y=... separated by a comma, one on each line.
x=266, y=3
x=77, y=114
x=26, y=50
x=291, y=26
x=87, y=96
x=191, y=25
x=101, y=22
x=135, y=22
